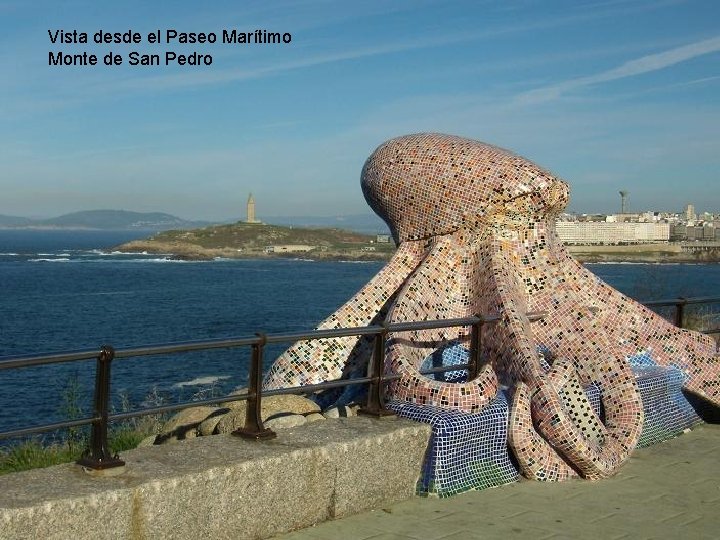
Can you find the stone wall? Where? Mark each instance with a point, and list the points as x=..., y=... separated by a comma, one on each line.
x=223, y=486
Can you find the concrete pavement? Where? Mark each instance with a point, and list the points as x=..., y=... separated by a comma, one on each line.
x=670, y=490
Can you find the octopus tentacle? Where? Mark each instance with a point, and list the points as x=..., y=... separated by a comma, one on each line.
x=598, y=309
x=560, y=411
x=444, y=270
x=537, y=459
x=310, y=362
x=630, y=327
x=594, y=457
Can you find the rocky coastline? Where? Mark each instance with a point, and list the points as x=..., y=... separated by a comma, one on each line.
x=262, y=241
x=667, y=253
x=190, y=252
x=186, y=251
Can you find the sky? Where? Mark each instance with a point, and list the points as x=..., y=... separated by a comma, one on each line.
x=608, y=94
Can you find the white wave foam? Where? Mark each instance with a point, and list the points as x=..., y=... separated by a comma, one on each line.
x=107, y=260
x=63, y=259
x=201, y=381
x=153, y=260
x=98, y=253
x=120, y=253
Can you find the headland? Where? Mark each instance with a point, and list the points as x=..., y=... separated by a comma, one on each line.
x=667, y=252
x=258, y=240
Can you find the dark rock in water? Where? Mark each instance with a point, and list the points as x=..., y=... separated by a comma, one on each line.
x=190, y=257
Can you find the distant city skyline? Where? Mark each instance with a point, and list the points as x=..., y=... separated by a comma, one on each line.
x=248, y=214
x=610, y=96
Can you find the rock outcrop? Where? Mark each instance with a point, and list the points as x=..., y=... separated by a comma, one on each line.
x=277, y=412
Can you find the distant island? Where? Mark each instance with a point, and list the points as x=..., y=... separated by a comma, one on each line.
x=367, y=223
x=103, y=220
x=310, y=237
x=258, y=240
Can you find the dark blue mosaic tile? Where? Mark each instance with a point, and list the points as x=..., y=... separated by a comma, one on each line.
x=466, y=451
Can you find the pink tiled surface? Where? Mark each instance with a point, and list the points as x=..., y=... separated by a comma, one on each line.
x=310, y=362
x=475, y=226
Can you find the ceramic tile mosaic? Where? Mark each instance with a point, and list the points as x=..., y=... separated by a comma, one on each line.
x=466, y=451
x=667, y=411
x=451, y=354
x=310, y=362
x=475, y=225
x=469, y=451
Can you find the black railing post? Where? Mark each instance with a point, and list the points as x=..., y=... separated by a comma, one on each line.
x=253, y=428
x=475, y=337
x=375, y=405
x=680, y=312
x=99, y=456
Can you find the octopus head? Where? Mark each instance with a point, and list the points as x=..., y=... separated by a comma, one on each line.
x=432, y=184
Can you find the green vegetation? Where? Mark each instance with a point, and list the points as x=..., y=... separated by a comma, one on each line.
x=72, y=443
x=71, y=410
x=33, y=455
x=41, y=452
x=37, y=453
x=258, y=236
x=241, y=240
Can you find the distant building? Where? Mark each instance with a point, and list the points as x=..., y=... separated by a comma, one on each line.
x=382, y=238
x=612, y=233
x=690, y=213
x=288, y=248
x=678, y=231
x=591, y=217
x=694, y=233
x=251, y=210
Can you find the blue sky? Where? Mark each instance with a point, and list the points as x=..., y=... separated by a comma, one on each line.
x=608, y=94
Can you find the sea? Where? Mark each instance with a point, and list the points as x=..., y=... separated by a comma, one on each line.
x=72, y=290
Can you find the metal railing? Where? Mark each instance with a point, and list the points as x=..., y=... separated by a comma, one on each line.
x=680, y=303
x=99, y=455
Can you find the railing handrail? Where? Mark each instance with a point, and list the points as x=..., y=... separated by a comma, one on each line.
x=259, y=340
x=12, y=362
x=19, y=361
x=376, y=378
x=682, y=300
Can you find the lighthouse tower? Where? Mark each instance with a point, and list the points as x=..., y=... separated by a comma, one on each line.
x=251, y=210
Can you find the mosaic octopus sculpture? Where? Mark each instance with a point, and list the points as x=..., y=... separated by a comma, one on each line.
x=475, y=229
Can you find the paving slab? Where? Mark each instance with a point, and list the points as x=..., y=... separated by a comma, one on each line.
x=667, y=491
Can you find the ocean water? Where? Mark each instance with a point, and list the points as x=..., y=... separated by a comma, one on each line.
x=69, y=290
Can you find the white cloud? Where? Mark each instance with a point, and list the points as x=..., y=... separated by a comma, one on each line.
x=631, y=68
